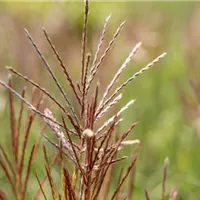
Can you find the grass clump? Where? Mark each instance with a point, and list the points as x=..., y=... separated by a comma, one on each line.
x=91, y=146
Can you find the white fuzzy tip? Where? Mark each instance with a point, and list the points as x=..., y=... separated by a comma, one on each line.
x=163, y=54
x=88, y=133
x=166, y=162
x=138, y=44
x=130, y=142
x=108, y=17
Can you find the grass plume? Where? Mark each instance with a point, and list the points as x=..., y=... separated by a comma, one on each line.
x=91, y=148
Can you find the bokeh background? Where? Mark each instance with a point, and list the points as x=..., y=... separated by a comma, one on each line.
x=167, y=96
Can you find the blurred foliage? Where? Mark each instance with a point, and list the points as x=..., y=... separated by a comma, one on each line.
x=165, y=128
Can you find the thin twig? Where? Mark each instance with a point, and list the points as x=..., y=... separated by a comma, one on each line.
x=30, y=119
x=148, y=66
x=166, y=163
x=109, y=47
x=119, y=72
x=115, y=101
x=7, y=160
x=30, y=106
x=54, y=159
x=84, y=40
x=13, y=125
x=74, y=151
x=84, y=85
x=20, y=114
x=44, y=195
x=9, y=177
x=37, y=86
x=124, y=178
x=28, y=171
x=147, y=195
x=62, y=66
x=112, y=118
x=113, y=153
x=52, y=74
x=100, y=43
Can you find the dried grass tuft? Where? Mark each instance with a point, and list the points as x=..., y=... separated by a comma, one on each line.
x=92, y=148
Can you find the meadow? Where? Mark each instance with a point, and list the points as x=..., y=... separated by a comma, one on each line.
x=167, y=95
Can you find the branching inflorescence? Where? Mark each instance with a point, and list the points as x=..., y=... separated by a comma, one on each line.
x=92, y=148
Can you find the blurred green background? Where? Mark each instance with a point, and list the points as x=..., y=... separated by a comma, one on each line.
x=166, y=96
